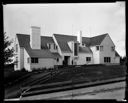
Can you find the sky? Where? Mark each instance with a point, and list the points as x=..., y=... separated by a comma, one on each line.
x=91, y=18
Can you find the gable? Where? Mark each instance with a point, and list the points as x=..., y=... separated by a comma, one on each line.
x=107, y=41
x=97, y=40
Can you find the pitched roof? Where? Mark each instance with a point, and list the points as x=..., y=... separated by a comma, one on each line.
x=116, y=54
x=85, y=50
x=92, y=41
x=89, y=41
x=24, y=41
x=63, y=41
x=45, y=40
x=56, y=55
x=40, y=53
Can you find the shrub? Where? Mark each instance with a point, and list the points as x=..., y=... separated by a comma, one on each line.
x=23, y=70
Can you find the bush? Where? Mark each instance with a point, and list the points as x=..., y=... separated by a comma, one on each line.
x=23, y=70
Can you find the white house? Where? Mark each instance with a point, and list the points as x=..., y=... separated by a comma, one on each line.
x=36, y=52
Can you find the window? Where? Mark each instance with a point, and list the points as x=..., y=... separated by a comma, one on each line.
x=107, y=59
x=16, y=47
x=88, y=59
x=75, y=49
x=101, y=48
x=112, y=48
x=34, y=60
x=97, y=47
x=57, y=59
x=54, y=46
x=28, y=60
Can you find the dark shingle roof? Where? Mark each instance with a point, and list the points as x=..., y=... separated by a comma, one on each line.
x=45, y=40
x=24, y=41
x=63, y=42
x=116, y=54
x=56, y=55
x=64, y=39
x=92, y=41
x=85, y=50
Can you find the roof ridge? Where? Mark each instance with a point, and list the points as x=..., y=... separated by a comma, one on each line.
x=29, y=35
x=64, y=35
x=99, y=35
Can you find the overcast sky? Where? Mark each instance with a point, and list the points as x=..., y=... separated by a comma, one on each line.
x=92, y=18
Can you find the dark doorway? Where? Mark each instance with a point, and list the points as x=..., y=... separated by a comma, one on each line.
x=66, y=60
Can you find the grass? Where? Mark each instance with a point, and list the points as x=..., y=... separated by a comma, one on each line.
x=76, y=74
x=90, y=73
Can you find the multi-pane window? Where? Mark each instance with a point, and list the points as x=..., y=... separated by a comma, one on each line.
x=97, y=47
x=101, y=48
x=16, y=47
x=88, y=59
x=112, y=48
x=107, y=59
x=34, y=60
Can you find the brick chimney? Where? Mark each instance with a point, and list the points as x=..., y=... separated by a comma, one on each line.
x=35, y=39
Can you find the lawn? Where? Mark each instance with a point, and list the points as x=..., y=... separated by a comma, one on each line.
x=90, y=73
x=71, y=73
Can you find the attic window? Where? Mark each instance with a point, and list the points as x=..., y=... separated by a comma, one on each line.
x=97, y=47
x=113, y=48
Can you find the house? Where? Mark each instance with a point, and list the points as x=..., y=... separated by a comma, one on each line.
x=36, y=52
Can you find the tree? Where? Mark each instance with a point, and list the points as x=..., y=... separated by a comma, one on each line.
x=8, y=52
